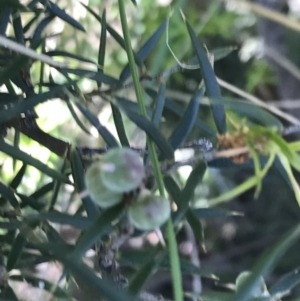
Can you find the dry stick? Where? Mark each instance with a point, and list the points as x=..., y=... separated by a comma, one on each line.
x=282, y=61
x=258, y=102
x=288, y=104
x=270, y=14
x=195, y=259
x=207, y=157
x=7, y=43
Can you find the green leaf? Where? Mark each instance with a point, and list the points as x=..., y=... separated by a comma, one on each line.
x=87, y=280
x=145, y=50
x=76, y=118
x=266, y=263
x=157, y=112
x=102, y=130
x=54, y=9
x=37, y=35
x=18, y=28
x=18, y=177
x=8, y=194
x=100, y=226
x=213, y=296
x=13, y=68
x=210, y=80
x=177, y=109
x=285, y=284
x=188, y=120
x=70, y=55
x=113, y=33
x=13, y=4
x=99, y=77
x=31, y=202
x=142, y=275
x=194, y=179
x=152, y=131
x=16, y=251
x=119, y=124
x=4, y=19
x=173, y=189
x=159, y=104
x=11, y=225
x=78, y=176
x=29, y=103
x=102, y=46
x=222, y=52
x=207, y=213
x=254, y=113
x=131, y=105
x=31, y=22
x=27, y=159
x=43, y=190
x=77, y=221
x=136, y=259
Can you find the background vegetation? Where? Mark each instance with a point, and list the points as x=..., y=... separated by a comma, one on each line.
x=67, y=96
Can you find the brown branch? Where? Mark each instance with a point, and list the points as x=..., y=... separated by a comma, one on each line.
x=55, y=145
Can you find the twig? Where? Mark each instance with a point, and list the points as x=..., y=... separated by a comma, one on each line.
x=270, y=14
x=258, y=102
x=195, y=259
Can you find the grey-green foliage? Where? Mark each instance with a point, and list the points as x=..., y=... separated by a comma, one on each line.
x=107, y=200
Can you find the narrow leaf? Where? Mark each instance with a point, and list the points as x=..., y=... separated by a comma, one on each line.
x=145, y=50
x=119, y=124
x=173, y=189
x=43, y=190
x=285, y=284
x=8, y=194
x=102, y=46
x=211, y=84
x=78, y=176
x=102, y=130
x=93, y=285
x=207, y=213
x=60, y=13
x=113, y=33
x=13, y=4
x=142, y=275
x=194, y=179
x=31, y=202
x=16, y=251
x=187, y=121
x=159, y=104
x=174, y=107
x=18, y=177
x=18, y=28
x=4, y=20
x=13, y=68
x=100, y=226
x=76, y=118
x=37, y=35
x=27, y=159
x=69, y=55
x=23, y=106
x=266, y=263
x=99, y=77
x=77, y=221
x=152, y=131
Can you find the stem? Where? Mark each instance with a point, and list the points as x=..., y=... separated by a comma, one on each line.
x=174, y=257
